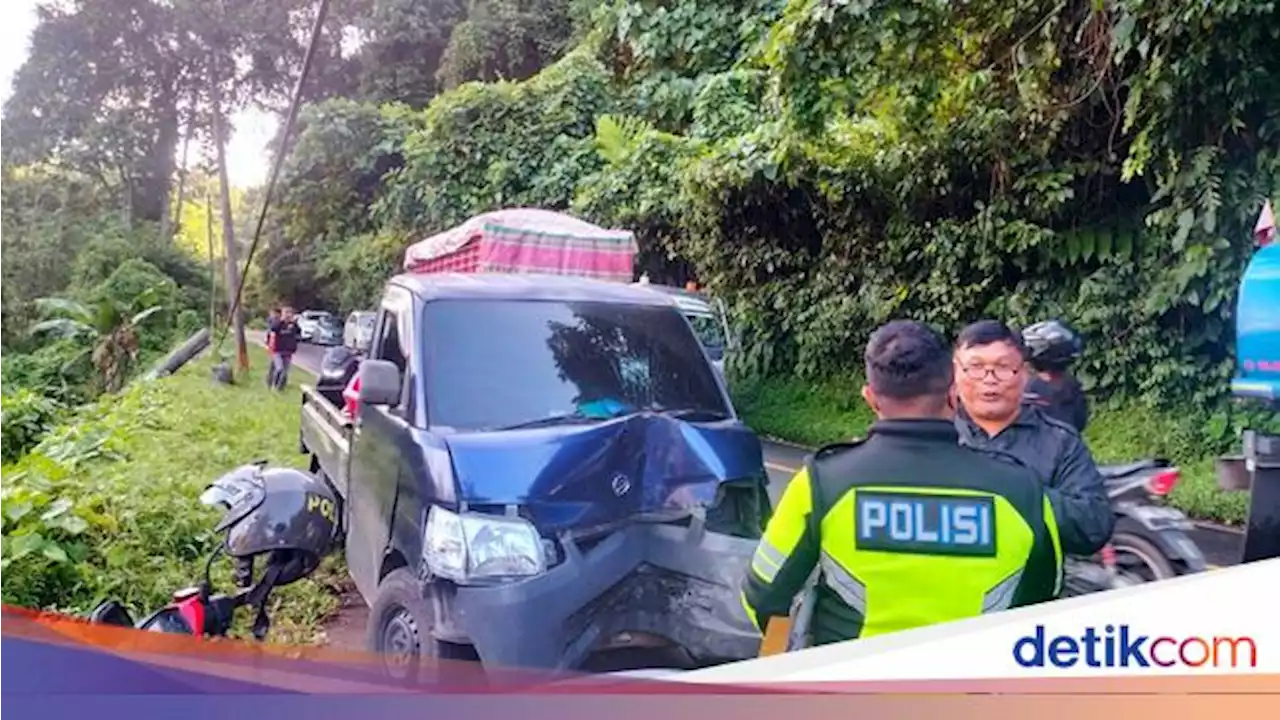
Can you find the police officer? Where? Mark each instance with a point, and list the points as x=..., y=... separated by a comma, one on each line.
x=907, y=527
x=991, y=360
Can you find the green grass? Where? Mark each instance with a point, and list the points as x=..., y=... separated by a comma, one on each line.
x=818, y=412
x=106, y=506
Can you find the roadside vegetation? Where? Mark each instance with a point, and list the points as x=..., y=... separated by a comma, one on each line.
x=106, y=505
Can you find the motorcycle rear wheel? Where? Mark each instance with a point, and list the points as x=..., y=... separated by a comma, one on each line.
x=1139, y=556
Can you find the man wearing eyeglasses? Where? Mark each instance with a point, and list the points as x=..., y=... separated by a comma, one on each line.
x=991, y=377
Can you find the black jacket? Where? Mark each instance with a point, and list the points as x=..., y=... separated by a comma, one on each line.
x=1062, y=399
x=1055, y=450
x=286, y=337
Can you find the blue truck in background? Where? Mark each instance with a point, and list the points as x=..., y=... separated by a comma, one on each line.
x=1257, y=380
x=1258, y=328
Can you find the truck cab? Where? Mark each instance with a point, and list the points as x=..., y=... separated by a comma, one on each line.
x=541, y=468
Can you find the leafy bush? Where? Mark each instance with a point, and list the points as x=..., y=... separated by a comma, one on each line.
x=104, y=256
x=26, y=418
x=135, y=278
x=359, y=269
x=189, y=323
x=60, y=370
x=106, y=505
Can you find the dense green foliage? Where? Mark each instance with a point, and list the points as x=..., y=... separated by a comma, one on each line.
x=88, y=298
x=826, y=166
x=106, y=505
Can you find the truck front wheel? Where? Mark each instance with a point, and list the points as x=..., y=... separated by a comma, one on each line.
x=399, y=632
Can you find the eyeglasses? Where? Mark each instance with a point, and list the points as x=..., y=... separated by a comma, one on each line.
x=1002, y=373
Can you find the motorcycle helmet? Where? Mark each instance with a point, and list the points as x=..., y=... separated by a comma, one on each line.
x=1051, y=344
x=285, y=513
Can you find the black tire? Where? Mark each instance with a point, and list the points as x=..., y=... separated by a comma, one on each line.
x=1153, y=561
x=399, y=632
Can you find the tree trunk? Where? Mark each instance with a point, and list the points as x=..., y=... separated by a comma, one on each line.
x=151, y=189
x=213, y=274
x=228, y=228
x=172, y=221
x=126, y=198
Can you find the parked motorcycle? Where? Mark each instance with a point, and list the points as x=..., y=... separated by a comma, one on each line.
x=194, y=611
x=282, y=516
x=1150, y=541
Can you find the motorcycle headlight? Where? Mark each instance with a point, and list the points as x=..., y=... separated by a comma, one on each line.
x=468, y=547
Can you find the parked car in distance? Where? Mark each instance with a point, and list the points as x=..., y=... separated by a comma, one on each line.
x=357, y=334
x=319, y=326
x=328, y=331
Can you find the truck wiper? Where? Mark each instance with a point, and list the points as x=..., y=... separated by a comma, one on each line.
x=550, y=420
x=694, y=411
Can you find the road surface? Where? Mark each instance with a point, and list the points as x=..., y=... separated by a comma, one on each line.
x=1221, y=547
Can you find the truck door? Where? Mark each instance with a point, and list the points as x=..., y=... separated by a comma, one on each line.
x=377, y=459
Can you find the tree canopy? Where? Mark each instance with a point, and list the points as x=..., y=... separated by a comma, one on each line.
x=824, y=165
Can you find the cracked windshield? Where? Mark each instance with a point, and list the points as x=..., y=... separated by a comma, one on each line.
x=541, y=360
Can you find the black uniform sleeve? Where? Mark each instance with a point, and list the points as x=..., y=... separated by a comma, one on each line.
x=1079, y=499
x=786, y=555
x=1079, y=406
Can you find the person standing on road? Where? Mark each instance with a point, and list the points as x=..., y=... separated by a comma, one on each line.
x=907, y=527
x=283, y=344
x=991, y=360
x=273, y=322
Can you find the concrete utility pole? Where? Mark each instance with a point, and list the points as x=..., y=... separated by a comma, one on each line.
x=228, y=229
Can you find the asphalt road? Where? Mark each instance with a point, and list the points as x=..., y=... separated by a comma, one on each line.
x=1221, y=547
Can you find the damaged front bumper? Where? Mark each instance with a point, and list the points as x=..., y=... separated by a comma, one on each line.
x=682, y=584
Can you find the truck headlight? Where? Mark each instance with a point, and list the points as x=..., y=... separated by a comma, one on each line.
x=471, y=546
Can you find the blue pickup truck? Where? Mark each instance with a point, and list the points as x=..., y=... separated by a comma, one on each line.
x=542, y=469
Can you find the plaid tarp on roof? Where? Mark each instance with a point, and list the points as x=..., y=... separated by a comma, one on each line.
x=527, y=240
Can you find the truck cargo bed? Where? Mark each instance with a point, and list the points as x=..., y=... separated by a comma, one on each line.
x=326, y=435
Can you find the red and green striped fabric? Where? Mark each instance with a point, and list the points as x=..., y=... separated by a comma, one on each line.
x=527, y=240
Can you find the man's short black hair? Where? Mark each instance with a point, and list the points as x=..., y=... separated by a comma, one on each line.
x=907, y=360
x=988, y=332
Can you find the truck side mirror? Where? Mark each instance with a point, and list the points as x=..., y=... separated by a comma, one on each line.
x=379, y=383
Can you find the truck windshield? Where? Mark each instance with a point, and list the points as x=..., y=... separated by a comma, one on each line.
x=710, y=333
x=501, y=363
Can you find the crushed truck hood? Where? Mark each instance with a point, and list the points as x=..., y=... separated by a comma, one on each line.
x=577, y=476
